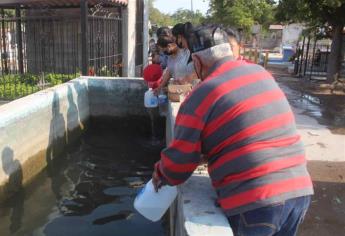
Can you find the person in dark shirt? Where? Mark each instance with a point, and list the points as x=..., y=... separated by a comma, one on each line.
x=241, y=121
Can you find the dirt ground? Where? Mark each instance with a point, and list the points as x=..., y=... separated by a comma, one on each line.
x=326, y=215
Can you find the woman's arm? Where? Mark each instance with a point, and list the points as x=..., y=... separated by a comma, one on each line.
x=165, y=81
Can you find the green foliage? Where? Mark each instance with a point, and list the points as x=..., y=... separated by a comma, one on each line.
x=9, y=13
x=158, y=18
x=15, y=86
x=185, y=15
x=242, y=13
x=12, y=87
x=180, y=16
x=327, y=15
x=313, y=12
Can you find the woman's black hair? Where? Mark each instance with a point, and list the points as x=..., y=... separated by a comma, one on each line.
x=164, y=41
x=182, y=29
x=178, y=29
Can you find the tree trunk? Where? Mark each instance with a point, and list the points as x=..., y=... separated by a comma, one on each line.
x=334, y=61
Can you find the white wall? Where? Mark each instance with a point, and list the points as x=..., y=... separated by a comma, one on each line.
x=291, y=34
x=128, y=38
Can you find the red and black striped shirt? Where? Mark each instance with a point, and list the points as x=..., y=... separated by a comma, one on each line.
x=241, y=120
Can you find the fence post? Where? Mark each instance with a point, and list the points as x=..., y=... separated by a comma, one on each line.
x=301, y=61
x=326, y=62
x=84, y=37
x=306, y=56
x=266, y=60
x=313, y=58
x=19, y=41
x=4, y=46
x=256, y=56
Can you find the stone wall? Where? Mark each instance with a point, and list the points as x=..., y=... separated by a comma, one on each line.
x=116, y=97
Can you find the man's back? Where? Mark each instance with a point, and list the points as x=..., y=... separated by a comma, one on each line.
x=248, y=132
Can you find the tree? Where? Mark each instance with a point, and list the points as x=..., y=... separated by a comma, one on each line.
x=180, y=16
x=319, y=13
x=158, y=18
x=184, y=15
x=242, y=13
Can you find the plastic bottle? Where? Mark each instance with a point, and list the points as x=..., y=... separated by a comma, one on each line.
x=151, y=204
x=163, y=104
x=150, y=100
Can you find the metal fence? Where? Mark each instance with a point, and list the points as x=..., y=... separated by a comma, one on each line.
x=312, y=58
x=105, y=42
x=42, y=47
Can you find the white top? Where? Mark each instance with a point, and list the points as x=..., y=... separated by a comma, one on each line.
x=178, y=65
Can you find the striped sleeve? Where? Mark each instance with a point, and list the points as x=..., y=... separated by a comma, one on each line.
x=182, y=156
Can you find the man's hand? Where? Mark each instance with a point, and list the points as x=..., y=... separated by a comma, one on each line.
x=156, y=181
x=157, y=90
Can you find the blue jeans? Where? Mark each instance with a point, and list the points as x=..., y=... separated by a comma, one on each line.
x=281, y=219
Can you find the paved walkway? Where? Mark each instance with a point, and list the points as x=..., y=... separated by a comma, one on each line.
x=324, y=138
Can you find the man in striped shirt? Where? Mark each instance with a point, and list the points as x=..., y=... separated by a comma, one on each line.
x=240, y=119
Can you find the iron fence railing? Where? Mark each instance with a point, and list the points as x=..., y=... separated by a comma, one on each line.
x=42, y=48
x=105, y=43
x=312, y=59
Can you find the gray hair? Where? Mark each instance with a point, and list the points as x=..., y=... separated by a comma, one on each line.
x=213, y=54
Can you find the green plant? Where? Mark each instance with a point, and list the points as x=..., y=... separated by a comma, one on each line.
x=15, y=86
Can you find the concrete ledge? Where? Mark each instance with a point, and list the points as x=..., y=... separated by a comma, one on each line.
x=37, y=128
x=116, y=96
x=194, y=212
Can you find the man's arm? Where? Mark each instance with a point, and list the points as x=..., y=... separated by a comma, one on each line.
x=182, y=157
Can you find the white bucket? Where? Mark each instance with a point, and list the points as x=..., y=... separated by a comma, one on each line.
x=151, y=204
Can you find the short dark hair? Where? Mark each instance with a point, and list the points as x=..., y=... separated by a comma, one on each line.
x=178, y=29
x=207, y=36
x=163, y=31
x=182, y=29
x=163, y=41
x=232, y=33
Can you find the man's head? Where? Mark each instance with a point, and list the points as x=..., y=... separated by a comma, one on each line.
x=167, y=45
x=208, y=45
x=234, y=41
x=180, y=32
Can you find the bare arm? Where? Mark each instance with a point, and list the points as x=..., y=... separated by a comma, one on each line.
x=165, y=81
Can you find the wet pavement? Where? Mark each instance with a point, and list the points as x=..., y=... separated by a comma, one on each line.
x=90, y=191
x=321, y=122
x=328, y=110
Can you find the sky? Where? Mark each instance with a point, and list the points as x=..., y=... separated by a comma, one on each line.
x=170, y=6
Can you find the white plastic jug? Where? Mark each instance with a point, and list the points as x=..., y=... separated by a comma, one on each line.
x=150, y=100
x=153, y=205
